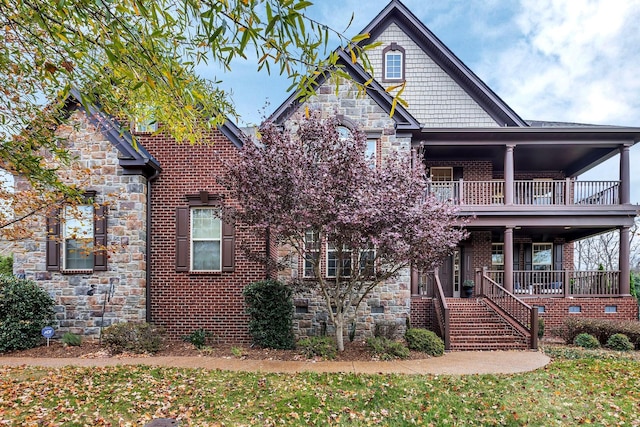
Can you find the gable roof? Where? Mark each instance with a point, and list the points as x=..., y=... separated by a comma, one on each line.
x=403, y=119
x=134, y=158
x=397, y=13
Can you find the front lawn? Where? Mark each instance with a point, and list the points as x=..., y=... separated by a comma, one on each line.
x=576, y=388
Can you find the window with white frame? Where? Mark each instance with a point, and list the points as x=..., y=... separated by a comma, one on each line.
x=367, y=262
x=311, y=252
x=344, y=132
x=206, y=239
x=333, y=261
x=497, y=256
x=394, y=62
x=78, y=235
x=371, y=152
x=542, y=259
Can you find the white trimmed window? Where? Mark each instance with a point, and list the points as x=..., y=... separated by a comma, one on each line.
x=311, y=252
x=542, y=256
x=206, y=239
x=394, y=63
x=78, y=236
x=333, y=261
x=371, y=152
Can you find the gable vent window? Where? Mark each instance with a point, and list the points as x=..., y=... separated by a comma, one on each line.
x=393, y=59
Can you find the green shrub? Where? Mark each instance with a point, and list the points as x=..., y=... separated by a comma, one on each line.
x=71, y=339
x=270, y=308
x=133, y=337
x=600, y=328
x=6, y=265
x=324, y=347
x=200, y=338
x=25, y=309
x=586, y=341
x=540, y=327
x=619, y=342
x=424, y=341
x=387, y=349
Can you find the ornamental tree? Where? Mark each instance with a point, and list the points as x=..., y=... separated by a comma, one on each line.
x=313, y=189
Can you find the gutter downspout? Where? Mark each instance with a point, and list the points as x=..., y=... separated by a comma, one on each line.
x=147, y=288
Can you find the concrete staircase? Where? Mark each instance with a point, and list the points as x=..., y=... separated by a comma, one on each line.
x=475, y=326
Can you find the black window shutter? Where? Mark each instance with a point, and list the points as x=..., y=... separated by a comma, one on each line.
x=53, y=241
x=516, y=257
x=228, y=243
x=182, y=239
x=100, y=239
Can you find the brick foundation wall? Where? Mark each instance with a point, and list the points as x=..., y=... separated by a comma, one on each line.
x=182, y=301
x=557, y=309
x=422, y=312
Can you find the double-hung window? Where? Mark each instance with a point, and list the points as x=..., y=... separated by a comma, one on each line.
x=205, y=235
x=334, y=258
x=206, y=239
x=311, y=252
x=497, y=256
x=542, y=256
x=78, y=234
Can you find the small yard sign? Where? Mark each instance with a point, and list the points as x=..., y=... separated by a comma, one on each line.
x=48, y=332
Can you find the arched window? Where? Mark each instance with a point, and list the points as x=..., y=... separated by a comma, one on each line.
x=393, y=63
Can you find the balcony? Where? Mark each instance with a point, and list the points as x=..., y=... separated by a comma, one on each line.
x=529, y=192
x=561, y=283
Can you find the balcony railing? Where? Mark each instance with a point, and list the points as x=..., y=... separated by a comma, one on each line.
x=561, y=283
x=530, y=192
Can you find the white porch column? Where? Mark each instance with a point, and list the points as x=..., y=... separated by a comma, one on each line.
x=624, y=262
x=508, y=259
x=625, y=176
x=508, y=175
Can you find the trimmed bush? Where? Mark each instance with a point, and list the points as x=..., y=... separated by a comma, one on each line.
x=586, y=341
x=424, y=341
x=25, y=309
x=324, y=347
x=6, y=265
x=200, y=338
x=540, y=327
x=387, y=349
x=619, y=342
x=133, y=337
x=71, y=339
x=270, y=307
x=599, y=328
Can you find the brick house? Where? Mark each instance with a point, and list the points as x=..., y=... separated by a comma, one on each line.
x=516, y=179
x=175, y=254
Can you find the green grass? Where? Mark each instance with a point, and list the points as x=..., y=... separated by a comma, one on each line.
x=578, y=387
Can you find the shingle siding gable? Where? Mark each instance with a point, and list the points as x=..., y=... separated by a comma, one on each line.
x=434, y=98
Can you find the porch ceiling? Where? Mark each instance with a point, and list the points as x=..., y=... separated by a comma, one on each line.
x=543, y=234
x=571, y=150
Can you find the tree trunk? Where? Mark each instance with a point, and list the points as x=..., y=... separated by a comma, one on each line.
x=340, y=331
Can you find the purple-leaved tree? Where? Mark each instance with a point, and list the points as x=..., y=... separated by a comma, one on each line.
x=318, y=193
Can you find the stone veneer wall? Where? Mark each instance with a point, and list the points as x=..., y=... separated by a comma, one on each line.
x=390, y=301
x=119, y=293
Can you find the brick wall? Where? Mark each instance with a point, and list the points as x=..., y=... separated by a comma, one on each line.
x=557, y=309
x=422, y=312
x=181, y=301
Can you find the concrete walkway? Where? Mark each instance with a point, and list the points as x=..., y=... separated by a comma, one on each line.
x=454, y=363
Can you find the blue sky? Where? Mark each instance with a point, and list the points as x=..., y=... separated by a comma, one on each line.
x=560, y=60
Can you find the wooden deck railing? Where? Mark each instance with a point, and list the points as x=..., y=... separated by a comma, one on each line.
x=551, y=283
x=442, y=313
x=528, y=192
x=520, y=312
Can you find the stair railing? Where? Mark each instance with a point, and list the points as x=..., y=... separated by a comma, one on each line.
x=522, y=313
x=442, y=312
